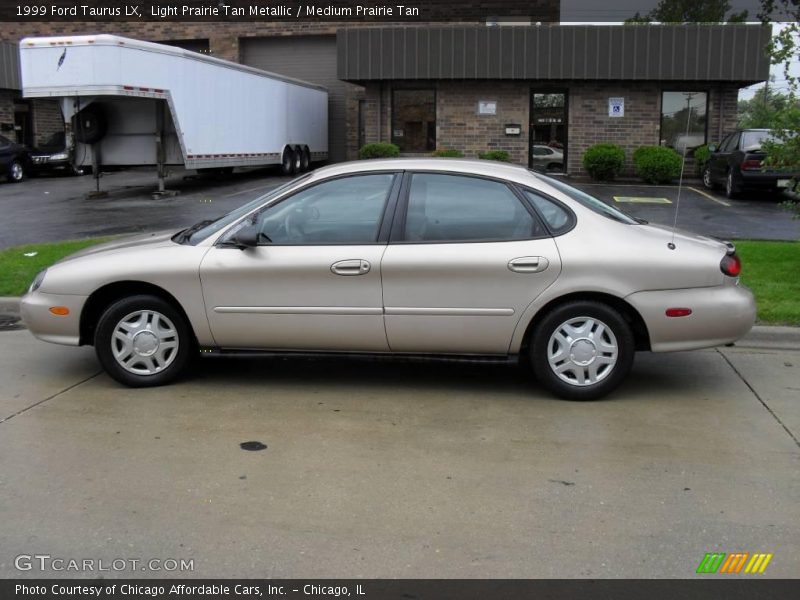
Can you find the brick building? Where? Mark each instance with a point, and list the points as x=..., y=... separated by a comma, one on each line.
x=543, y=92
x=546, y=93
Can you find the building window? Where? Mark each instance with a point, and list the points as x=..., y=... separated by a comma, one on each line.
x=414, y=120
x=679, y=109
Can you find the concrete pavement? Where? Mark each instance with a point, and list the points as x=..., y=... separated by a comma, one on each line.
x=379, y=469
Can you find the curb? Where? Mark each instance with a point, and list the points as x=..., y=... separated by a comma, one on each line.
x=767, y=337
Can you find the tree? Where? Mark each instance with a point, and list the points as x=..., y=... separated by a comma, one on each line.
x=783, y=48
x=690, y=11
x=762, y=110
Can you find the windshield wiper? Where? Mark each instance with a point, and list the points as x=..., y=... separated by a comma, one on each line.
x=185, y=234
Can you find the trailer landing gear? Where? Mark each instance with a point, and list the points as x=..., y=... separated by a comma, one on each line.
x=162, y=191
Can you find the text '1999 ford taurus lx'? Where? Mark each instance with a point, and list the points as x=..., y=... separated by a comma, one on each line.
x=409, y=257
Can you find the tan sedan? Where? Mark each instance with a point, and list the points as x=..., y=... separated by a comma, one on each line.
x=415, y=257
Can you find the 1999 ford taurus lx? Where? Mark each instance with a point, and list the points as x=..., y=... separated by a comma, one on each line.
x=421, y=257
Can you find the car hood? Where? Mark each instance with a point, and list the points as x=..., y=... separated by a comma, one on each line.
x=159, y=238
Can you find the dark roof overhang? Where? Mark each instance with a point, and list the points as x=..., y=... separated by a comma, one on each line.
x=692, y=52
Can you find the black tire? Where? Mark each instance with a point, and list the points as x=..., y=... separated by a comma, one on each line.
x=16, y=171
x=305, y=159
x=111, y=319
x=608, y=376
x=287, y=162
x=297, y=167
x=90, y=125
x=732, y=189
x=708, y=181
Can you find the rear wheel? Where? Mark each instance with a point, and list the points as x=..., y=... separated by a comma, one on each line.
x=143, y=341
x=305, y=159
x=582, y=350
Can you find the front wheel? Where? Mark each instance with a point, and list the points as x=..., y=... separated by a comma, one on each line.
x=16, y=172
x=582, y=350
x=143, y=341
x=287, y=162
x=707, y=181
x=731, y=187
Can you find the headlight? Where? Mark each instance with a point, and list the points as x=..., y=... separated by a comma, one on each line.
x=59, y=156
x=37, y=281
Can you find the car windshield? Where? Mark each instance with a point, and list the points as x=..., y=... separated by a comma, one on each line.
x=752, y=140
x=590, y=202
x=207, y=228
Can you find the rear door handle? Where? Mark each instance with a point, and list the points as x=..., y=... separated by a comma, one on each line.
x=528, y=264
x=351, y=267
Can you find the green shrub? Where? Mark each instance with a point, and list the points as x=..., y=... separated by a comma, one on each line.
x=379, y=150
x=603, y=161
x=448, y=153
x=701, y=156
x=499, y=155
x=657, y=164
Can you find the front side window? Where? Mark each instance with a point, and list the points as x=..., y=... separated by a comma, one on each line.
x=678, y=108
x=348, y=210
x=454, y=208
x=414, y=120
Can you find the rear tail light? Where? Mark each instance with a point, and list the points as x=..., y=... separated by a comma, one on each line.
x=751, y=164
x=731, y=265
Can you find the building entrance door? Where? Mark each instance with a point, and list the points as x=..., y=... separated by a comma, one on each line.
x=548, y=131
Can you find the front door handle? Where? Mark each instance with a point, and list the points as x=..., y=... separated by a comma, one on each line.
x=351, y=267
x=528, y=264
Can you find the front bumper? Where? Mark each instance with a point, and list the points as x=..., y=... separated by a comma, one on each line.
x=58, y=329
x=720, y=315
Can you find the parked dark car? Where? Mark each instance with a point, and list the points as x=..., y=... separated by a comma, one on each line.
x=738, y=164
x=15, y=160
x=52, y=155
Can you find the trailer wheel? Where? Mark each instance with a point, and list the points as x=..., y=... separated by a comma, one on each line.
x=297, y=167
x=305, y=159
x=287, y=161
x=90, y=125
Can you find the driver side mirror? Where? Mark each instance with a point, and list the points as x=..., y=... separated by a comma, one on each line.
x=712, y=147
x=246, y=237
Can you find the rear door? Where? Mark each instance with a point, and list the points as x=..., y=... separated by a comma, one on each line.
x=467, y=256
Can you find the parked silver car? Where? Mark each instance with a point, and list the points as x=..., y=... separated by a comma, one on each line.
x=421, y=257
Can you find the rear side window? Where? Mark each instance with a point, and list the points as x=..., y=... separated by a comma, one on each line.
x=558, y=219
x=455, y=208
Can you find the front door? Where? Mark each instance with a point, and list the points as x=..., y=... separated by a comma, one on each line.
x=469, y=257
x=548, y=131
x=314, y=281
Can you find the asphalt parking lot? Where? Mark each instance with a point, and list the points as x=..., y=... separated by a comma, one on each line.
x=56, y=208
x=42, y=209
x=754, y=215
x=383, y=469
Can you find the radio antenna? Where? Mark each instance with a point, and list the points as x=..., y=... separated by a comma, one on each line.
x=689, y=96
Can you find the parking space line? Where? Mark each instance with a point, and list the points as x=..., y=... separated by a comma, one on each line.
x=261, y=187
x=707, y=195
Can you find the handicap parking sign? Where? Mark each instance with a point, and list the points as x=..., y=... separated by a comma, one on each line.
x=616, y=107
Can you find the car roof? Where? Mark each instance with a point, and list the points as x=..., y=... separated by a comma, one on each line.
x=470, y=166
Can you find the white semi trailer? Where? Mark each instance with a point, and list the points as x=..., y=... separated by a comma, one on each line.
x=131, y=103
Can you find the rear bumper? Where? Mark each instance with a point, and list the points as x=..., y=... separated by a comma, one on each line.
x=762, y=180
x=720, y=315
x=35, y=311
